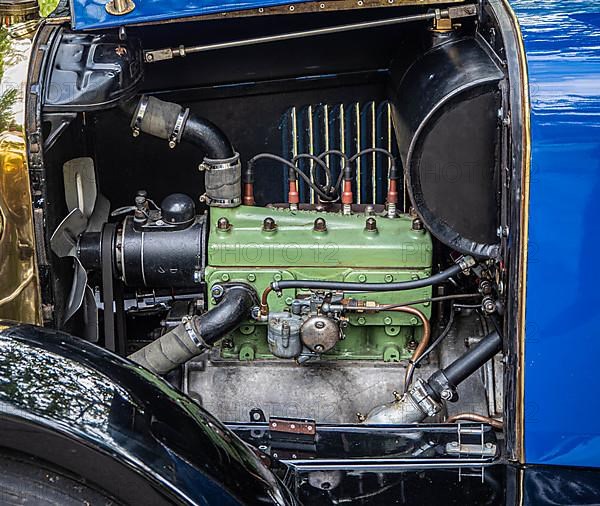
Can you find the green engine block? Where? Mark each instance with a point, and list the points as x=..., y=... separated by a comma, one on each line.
x=242, y=247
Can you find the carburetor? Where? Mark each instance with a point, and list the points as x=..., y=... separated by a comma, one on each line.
x=305, y=331
x=260, y=245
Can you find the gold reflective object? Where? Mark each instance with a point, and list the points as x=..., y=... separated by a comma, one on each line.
x=19, y=285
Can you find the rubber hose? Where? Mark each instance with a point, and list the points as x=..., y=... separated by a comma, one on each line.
x=370, y=287
x=464, y=366
x=160, y=118
x=197, y=334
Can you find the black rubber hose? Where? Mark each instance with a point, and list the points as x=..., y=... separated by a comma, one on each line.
x=160, y=118
x=370, y=287
x=197, y=334
x=208, y=137
x=233, y=308
x=464, y=366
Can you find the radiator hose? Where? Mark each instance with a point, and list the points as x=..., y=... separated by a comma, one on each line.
x=424, y=398
x=174, y=123
x=196, y=334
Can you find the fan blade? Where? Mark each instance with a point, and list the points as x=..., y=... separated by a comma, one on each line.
x=80, y=185
x=90, y=316
x=77, y=289
x=88, y=212
x=64, y=239
x=100, y=215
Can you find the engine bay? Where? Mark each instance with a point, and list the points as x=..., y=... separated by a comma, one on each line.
x=309, y=227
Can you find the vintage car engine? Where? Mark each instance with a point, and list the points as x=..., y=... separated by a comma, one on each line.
x=305, y=263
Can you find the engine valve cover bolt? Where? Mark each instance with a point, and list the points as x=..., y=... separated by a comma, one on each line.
x=269, y=225
x=417, y=224
x=223, y=224
x=371, y=225
x=320, y=225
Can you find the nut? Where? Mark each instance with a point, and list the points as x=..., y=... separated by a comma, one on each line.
x=320, y=225
x=371, y=225
x=447, y=394
x=269, y=225
x=223, y=224
x=417, y=224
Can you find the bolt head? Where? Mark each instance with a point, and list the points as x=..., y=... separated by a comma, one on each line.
x=417, y=224
x=217, y=291
x=320, y=225
x=223, y=224
x=446, y=395
x=371, y=225
x=269, y=225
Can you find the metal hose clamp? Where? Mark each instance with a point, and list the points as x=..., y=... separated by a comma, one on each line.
x=191, y=332
x=210, y=164
x=466, y=262
x=136, y=124
x=175, y=136
x=419, y=395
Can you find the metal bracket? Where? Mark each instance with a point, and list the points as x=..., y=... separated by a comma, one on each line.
x=481, y=447
x=444, y=18
x=299, y=430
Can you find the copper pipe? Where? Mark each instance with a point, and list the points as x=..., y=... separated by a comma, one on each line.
x=422, y=346
x=264, y=303
x=473, y=417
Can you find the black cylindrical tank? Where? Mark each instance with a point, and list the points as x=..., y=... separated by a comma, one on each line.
x=161, y=256
x=447, y=121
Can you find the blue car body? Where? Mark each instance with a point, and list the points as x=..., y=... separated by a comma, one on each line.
x=562, y=42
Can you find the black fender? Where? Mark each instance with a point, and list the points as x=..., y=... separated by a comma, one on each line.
x=120, y=427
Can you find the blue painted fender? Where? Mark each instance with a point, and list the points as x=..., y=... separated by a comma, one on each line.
x=562, y=345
